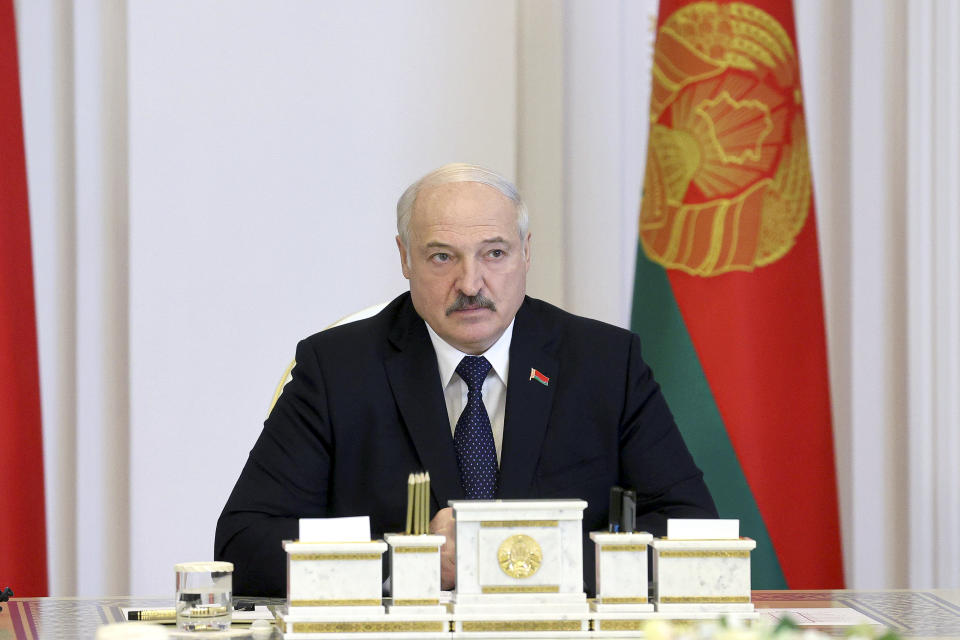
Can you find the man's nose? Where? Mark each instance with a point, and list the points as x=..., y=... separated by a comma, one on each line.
x=470, y=279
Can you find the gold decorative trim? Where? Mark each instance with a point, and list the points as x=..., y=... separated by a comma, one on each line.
x=637, y=625
x=416, y=549
x=623, y=547
x=704, y=554
x=299, y=557
x=702, y=599
x=523, y=588
x=413, y=602
x=499, y=524
x=431, y=626
x=337, y=603
x=622, y=600
x=521, y=625
x=621, y=625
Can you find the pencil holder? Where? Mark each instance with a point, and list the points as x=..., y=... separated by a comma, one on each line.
x=415, y=573
x=621, y=571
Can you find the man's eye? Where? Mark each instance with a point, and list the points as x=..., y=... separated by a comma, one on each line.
x=440, y=257
x=496, y=253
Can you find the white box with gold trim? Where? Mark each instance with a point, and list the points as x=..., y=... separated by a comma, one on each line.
x=335, y=579
x=702, y=575
x=621, y=571
x=515, y=557
x=415, y=574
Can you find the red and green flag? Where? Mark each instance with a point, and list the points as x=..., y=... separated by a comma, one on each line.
x=23, y=556
x=727, y=297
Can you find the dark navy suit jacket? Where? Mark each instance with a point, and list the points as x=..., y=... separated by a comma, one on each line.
x=365, y=408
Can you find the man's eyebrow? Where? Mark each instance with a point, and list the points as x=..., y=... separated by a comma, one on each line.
x=436, y=244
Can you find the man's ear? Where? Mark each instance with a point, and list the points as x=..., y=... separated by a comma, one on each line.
x=526, y=251
x=404, y=266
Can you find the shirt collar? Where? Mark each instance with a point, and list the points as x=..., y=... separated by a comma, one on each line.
x=448, y=357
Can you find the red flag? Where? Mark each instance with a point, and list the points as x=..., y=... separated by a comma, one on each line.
x=727, y=293
x=23, y=546
x=539, y=377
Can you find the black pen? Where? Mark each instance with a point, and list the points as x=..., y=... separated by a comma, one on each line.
x=628, y=514
x=616, y=498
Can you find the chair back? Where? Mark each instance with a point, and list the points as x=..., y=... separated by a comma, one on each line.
x=353, y=317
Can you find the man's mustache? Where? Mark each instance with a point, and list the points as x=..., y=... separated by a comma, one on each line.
x=479, y=301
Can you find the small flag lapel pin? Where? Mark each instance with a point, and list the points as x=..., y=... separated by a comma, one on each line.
x=539, y=377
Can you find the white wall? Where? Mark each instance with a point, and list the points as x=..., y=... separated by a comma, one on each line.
x=268, y=146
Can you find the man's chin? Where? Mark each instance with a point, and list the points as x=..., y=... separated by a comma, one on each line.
x=474, y=334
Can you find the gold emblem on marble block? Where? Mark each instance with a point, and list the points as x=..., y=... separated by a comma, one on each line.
x=519, y=556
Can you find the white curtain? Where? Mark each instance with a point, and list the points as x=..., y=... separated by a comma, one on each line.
x=884, y=110
x=210, y=182
x=73, y=75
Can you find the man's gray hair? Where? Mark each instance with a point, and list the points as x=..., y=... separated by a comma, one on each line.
x=458, y=172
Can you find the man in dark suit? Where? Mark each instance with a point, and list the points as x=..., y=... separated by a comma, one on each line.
x=496, y=394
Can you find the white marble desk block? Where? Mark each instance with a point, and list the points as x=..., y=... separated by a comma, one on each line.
x=415, y=573
x=334, y=578
x=621, y=571
x=516, y=554
x=702, y=575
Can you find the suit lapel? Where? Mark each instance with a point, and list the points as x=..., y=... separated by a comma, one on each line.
x=533, y=346
x=415, y=381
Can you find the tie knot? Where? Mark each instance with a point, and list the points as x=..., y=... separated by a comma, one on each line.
x=474, y=370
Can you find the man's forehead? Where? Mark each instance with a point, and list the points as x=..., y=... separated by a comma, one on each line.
x=464, y=207
x=458, y=193
x=461, y=237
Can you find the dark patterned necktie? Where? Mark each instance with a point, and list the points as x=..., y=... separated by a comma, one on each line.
x=473, y=437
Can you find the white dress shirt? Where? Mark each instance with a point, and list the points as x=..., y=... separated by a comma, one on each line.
x=494, y=389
